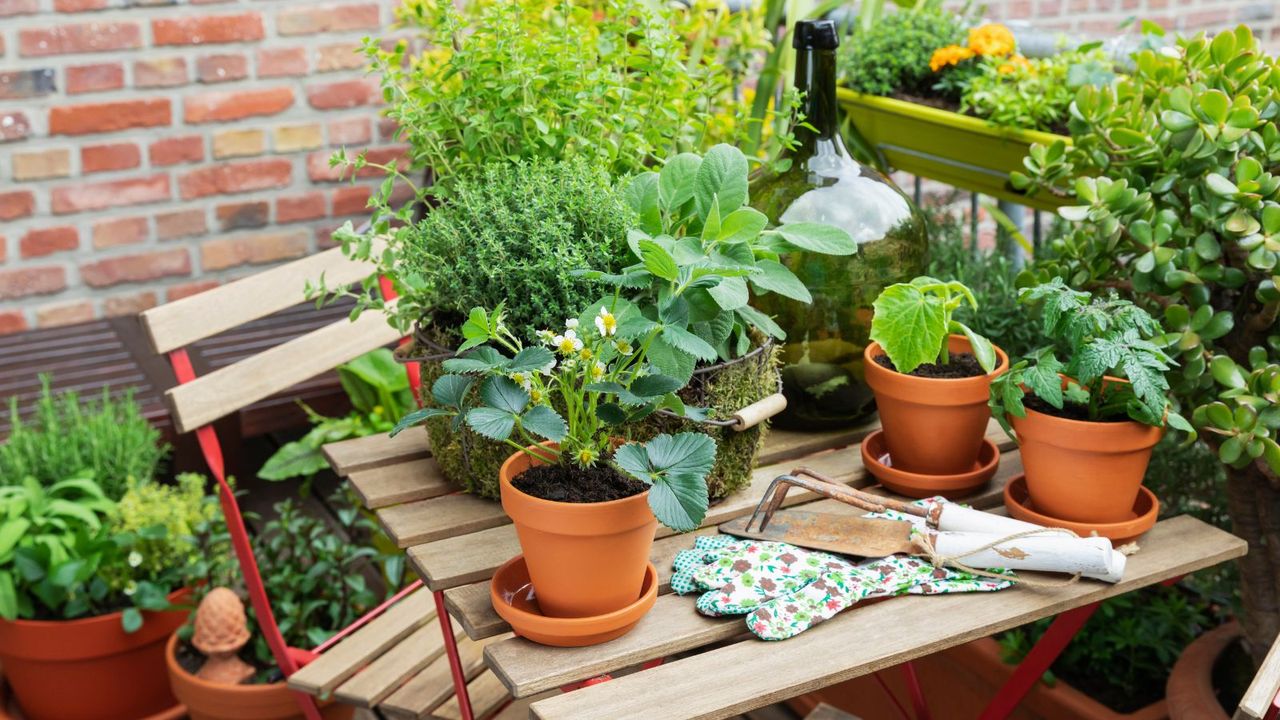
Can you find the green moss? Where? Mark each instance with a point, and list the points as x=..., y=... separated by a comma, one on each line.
x=467, y=460
x=725, y=391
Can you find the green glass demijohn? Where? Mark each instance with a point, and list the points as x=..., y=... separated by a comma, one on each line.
x=822, y=355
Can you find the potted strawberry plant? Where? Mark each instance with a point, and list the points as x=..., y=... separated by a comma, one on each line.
x=583, y=500
x=931, y=375
x=1087, y=425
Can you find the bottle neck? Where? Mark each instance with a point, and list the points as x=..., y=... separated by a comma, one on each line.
x=816, y=80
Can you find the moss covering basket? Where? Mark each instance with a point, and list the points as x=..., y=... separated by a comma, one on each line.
x=963, y=151
x=471, y=462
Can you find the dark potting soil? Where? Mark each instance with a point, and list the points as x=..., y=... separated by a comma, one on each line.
x=570, y=483
x=1069, y=411
x=959, y=365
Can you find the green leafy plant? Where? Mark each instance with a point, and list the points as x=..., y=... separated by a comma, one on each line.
x=699, y=251
x=320, y=579
x=517, y=228
x=597, y=372
x=1174, y=201
x=1035, y=94
x=1101, y=337
x=892, y=55
x=66, y=435
x=378, y=389
x=913, y=320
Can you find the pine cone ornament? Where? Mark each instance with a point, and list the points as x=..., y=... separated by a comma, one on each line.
x=221, y=630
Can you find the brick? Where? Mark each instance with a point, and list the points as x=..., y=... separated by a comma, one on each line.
x=13, y=126
x=350, y=131
x=94, y=78
x=343, y=94
x=222, y=68
x=75, y=6
x=182, y=290
x=167, y=72
x=351, y=201
x=138, y=267
x=207, y=29
x=239, y=216
x=176, y=150
x=222, y=106
x=180, y=224
x=22, y=84
x=282, y=62
x=254, y=249
x=292, y=138
x=122, y=231
x=9, y=8
x=339, y=57
x=102, y=158
x=47, y=241
x=21, y=282
x=309, y=20
x=238, y=143
x=41, y=164
x=388, y=129
x=235, y=178
x=109, y=116
x=300, y=207
x=84, y=197
x=12, y=321
x=125, y=305
x=318, y=169
x=79, y=38
x=59, y=314
x=16, y=204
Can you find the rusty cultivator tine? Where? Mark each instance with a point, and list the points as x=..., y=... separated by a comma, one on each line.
x=826, y=487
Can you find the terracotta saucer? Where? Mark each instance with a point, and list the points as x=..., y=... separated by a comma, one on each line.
x=514, y=599
x=875, y=458
x=1145, y=510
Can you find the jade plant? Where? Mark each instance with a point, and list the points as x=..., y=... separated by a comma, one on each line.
x=699, y=251
x=1101, y=337
x=578, y=387
x=912, y=322
x=1170, y=188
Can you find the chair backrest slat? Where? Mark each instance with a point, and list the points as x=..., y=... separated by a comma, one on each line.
x=1257, y=700
x=178, y=324
x=227, y=389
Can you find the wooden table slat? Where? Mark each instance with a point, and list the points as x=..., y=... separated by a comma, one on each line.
x=447, y=516
x=855, y=643
x=348, y=456
x=487, y=694
x=433, y=686
x=343, y=660
x=404, y=482
x=381, y=677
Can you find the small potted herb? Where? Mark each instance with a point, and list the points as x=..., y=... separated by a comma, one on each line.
x=583, y=502
x=931, y=375
x=698, y=253
x=1087, y=425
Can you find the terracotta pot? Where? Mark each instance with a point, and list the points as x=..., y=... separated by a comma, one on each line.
x=1190, y=690
x=215, y=701
x=584, y=559
x=111, y=673
x=932, y=426
x=959, y=682
x=1082, y=471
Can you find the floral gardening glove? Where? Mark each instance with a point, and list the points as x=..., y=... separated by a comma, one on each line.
x=784, y=589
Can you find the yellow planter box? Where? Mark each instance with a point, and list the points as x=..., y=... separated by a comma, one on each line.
x=963, y=151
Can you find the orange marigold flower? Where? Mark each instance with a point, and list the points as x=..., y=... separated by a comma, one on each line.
x=1013, y=64
x=949, y=55
x=992, y=39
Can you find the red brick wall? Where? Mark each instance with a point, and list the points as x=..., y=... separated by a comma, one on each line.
x=149, y=149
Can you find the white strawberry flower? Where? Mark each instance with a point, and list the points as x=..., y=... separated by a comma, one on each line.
x=606, y=323
x=568, y=343
x=571, y=324
x=597, y=370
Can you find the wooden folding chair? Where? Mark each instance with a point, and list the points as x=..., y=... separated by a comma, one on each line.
x=196, y=402
x=1262, y=700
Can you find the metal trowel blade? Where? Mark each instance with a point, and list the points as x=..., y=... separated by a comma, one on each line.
x=837, y=533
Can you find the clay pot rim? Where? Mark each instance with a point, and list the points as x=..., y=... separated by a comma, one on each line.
x=568, y=626
x=171, y=660
x=1135, y=427
x=874, y=350
x=505, y=477
x=1016, y=497
x=79, y=623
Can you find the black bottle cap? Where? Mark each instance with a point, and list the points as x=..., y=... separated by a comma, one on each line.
x=815, y=35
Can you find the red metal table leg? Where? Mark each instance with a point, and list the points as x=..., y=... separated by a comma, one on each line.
x=1051, y=644
x=455, y=663
x=913, y=688
x=902, y=712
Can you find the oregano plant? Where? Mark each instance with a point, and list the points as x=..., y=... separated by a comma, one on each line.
x=912, y=322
